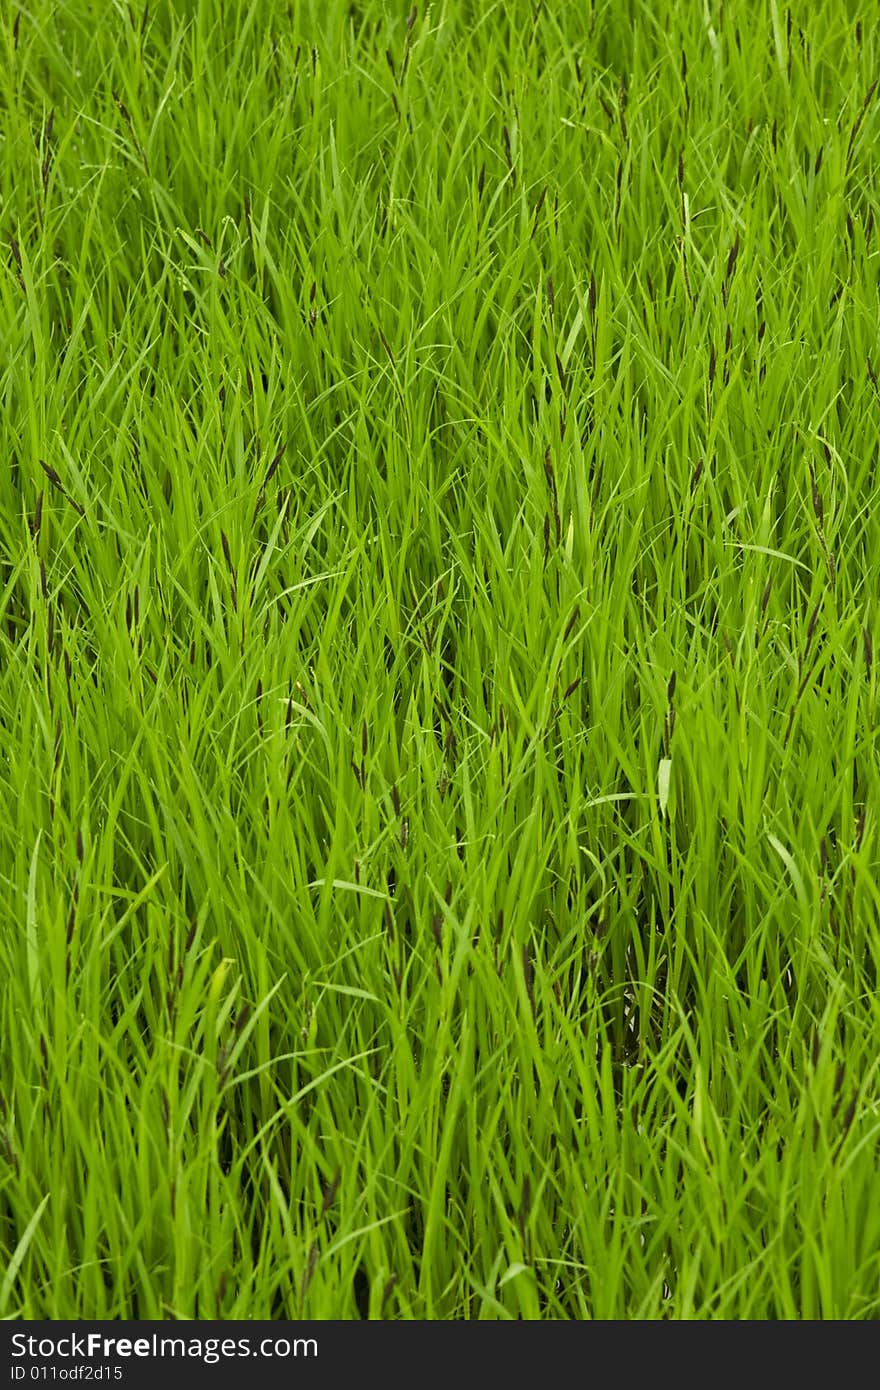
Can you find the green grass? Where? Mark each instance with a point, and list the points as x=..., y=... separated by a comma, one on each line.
x=439, y=639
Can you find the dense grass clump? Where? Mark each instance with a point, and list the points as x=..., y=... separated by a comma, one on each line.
x=439, y=563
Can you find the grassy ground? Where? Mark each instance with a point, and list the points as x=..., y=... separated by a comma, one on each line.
x=438, y=695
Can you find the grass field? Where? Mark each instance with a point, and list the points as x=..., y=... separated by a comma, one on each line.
x=439, y=570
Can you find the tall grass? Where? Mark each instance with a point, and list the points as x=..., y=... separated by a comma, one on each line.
x=438, y=695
